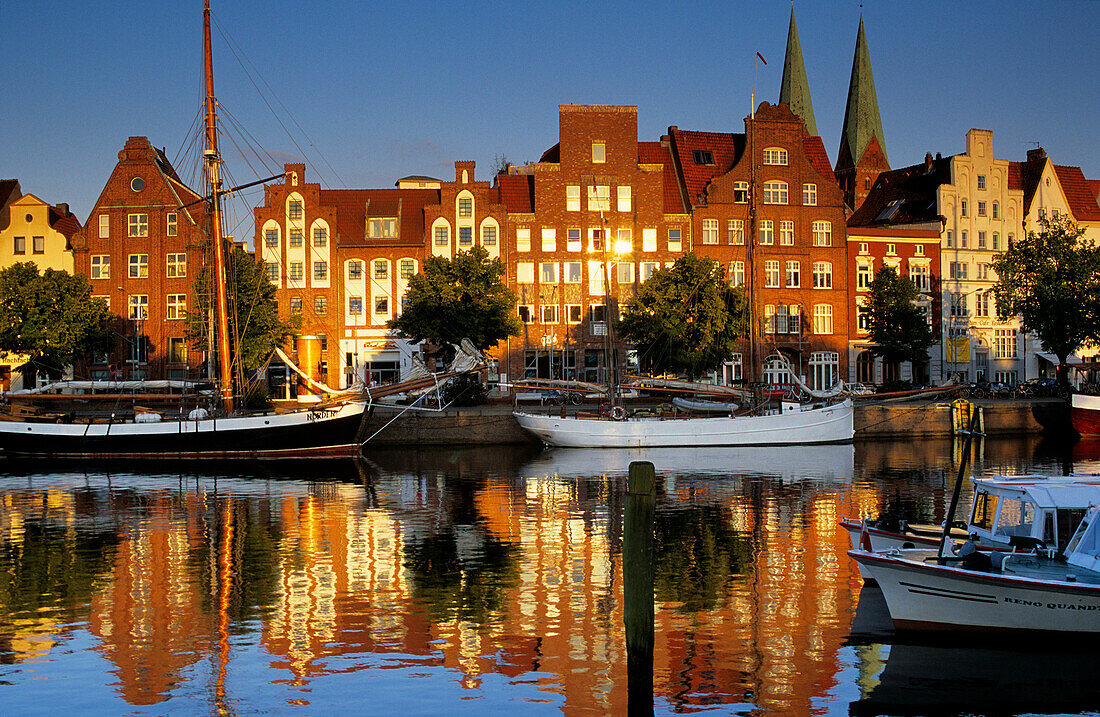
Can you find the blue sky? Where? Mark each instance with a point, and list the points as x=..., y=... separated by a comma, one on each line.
x=371, y=92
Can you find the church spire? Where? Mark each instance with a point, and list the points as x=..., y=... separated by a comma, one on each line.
x=794, y=89
x=862, y=154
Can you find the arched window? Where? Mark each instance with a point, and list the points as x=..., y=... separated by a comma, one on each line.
x=776, y=156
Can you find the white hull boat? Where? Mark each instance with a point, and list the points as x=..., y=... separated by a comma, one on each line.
x=794, y=425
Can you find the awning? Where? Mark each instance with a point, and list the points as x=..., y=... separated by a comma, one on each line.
x=1072, y=359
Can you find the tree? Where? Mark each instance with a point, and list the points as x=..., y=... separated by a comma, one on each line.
x=1051, y=280
x=685, y=318
x=453, y=299
x=899, y=327
x=255, y=329
x=50, y=316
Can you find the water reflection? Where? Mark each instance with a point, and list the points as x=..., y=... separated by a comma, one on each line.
x=451, y=580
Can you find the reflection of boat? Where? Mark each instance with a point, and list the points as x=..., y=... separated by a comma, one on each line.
x=997, y=592
x=1007, y=511
x=791, y=425
x=951, y=680
x=1085, y=414
x=830, y=462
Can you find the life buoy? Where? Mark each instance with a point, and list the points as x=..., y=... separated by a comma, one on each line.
x=618, y=413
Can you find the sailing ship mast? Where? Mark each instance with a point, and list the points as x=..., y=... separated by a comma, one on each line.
x=750, y=268
x=213, y=161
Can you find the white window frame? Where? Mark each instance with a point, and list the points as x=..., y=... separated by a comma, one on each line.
x=573, y=198
x=735, y=232
x=823, y=275
x=137, y=225
x=786, y=232
x=775, y=192
x=176, y=306
x=822, y=233
x=823, y=319
x=809, y=195
x=623, y=199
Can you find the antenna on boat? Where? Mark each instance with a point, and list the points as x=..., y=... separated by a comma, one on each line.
x=213, y=162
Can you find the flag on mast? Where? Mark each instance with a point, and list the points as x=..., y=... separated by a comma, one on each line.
x=761, y=58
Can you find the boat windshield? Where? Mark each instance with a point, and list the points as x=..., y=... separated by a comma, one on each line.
x=1068, y=519
x=1016, y=518
x=1083, y=539
x=985, y=510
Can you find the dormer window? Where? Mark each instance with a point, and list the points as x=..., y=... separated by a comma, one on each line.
x=703, y=156
x=382, y=228
x=775, y=156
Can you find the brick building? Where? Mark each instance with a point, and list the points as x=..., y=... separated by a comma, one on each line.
x=141, y=246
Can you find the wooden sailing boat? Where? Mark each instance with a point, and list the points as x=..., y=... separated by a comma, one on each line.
x=328, y=429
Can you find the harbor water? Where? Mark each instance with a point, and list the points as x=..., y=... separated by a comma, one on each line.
x=489, y=581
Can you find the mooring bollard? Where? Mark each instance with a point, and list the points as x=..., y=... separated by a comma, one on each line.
x=638, y=586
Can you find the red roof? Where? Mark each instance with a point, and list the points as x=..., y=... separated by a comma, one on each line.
x=1080, y=196
x=724, y=149
x=656, y=153
x=354, y=206
x=819, y=159
x=66, y=225
x=1025, y=176
x=1094, y=188
x=516, y=192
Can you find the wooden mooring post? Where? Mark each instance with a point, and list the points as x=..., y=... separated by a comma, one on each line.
x=638, y=586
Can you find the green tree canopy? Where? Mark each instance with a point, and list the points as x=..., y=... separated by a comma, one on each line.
x=255, y=329
x=1051, y=280
x=899, y=327
x=453, y=299
x=50, y=316
x=685, y=318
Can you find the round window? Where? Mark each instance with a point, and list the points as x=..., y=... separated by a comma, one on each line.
x=137, y=184
x=30, y=218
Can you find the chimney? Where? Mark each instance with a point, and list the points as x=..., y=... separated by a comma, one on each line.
x=62, y=209
x=1034, y=155
x=927, y=162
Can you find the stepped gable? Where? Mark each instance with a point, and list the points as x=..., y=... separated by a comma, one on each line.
x=914, y=186
x=355, y=206
x=689, y=150
x=659, y=153
x=794, y=88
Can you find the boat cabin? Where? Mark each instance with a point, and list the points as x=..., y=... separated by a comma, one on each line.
x=1021, y=510
x=1083, y=550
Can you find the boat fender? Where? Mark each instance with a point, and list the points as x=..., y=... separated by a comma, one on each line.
x=147, y=418
x=618, y=413
x=198, y=414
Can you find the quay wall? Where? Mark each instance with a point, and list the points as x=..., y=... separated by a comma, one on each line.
x=494, y=425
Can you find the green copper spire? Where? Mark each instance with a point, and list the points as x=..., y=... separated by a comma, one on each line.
x=794, y=89
x=861, y=116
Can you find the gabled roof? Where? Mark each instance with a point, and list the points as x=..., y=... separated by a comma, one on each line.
x=1079, y=195
x=516, y=192
x=9, y=191
x=724, y=149
x=794, y=88
x=861, y=114
x=552, y=155
x=658, y=153
x=355, y=206
x=904, y=196
x=59, y=218
x=819, y=158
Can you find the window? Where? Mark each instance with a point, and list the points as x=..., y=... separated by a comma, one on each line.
x=294, y=209
x=958, y=269
x=624, y=243
x=775, y=192
x=177, y=306
x=981, y=181
x=824, y=369
x=355, y=305
x=996, y=241
x=775, y=155
x=647, y=269
x=823, y=318
x=177, y=350
x=793, y=319
x=104, y=226
x=355, y=270
x=320, y=270
x=950, y=238
x=1004, y=341
x=735, y=231
x=741, y=192
x=177, y=266
x=599, y=153
x=769, y=318
x=320, y=305
x=320, y=236
x=780, y=321
x=918, y=250
x=296, y=272
x=489, y=235
x=981, y=240
x=767, y=231
x=382, y=228
x=962, y=239
x=710, y=231
x=443, y=235
x=981, y=304
x=271, y=238
x=138, y=225
x=296, y=305
x=406, y=269
x=892, y=249
x=962, y=207
x=523, y=239
x=295, y=238
x=771, y=274
x=170, y=224
x=139, y=266
x=674, y=243
x=573, y=198
x=649, y=239
x=271, y=270
x=595, y=240
x=38, y=245
x=599, y=198
x=823, y=275
x=101, y=266
x=623, y=203
x=465, y=207
x=863, y=247
x=786, y=233
x=624, y=272
x=573, y=272
x=549, y=313
x=381, y=269
x=573, y=239
x=794, y=270
x=823, y=233
x=549, y=239
x=525, y=272
x=737, y=273
x=138, y=305
x=809, y=195
x=381, y=304
x=1009, y=245
x=919, y=275
x=958, y=304
x=996, y=211
x=526, y=313
x=703, y=156
x=863, y=317
x=466, y=236
x=548, y=272
x=573, y=313
x=981, y=209
x=863, y=276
